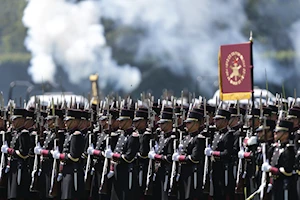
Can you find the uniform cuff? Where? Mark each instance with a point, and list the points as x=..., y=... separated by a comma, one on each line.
x=45, y=152
x=247, y=154
x=96, y=152
x=216, y=153
x=10, y=151
x=182, y=158
x=274, y=170
x=158, y=157
x=62, y=156
x=116, y=156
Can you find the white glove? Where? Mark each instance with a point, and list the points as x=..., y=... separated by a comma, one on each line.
x=208, y=151
x=241, y=154
x=56, y=154
x=4, y=148
x=252, y=141
x=175, y=156
x=90, y=149
x=266, y=167
x=108, y=153
x=110, y=174
x=151, y=154
x=38, y=149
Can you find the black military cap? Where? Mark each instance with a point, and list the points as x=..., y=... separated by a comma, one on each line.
x=274, y=108
x=209, y=108
x=222, y=114
x=254, y=112
x=18, y=112
x=270, y=125
x=165, y=117
x=3, y=112
x=29, y=114
x=194, y=116
x=168, y=109
x=126, y=114
x=234, y=111
x=199, y=110
x=113, y=112
x=57, y=112
x=284, y=125
x=140, y=114
x=156, y=108
x=293, y=113
x=267, y=111
x=73, y=114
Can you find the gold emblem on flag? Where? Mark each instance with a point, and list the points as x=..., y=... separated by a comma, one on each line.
x=235, y=68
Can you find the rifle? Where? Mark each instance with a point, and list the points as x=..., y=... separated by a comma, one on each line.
x=54, y=183
x=103, y=189
x=87, y=175
x=3, y=177
x=150, y=174
x=206, y=174
x=34, y=174
x=239, y=189
x=173, y=182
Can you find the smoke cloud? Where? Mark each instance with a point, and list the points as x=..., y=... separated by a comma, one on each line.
x=186, y=35
x=62, y=33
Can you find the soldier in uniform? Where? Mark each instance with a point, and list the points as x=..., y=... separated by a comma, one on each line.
x=55, y=126
x=103, y=137
x=282, y=163
x=124, y=157
x=294, y=116
x=140, y=123
x=72, y=183
x=191, y=158
x=264, y=135
x=221, y=153
x=3, y=134
x=162, y=155
x=18, y=150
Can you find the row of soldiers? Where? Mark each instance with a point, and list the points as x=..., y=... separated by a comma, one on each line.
x=153, y=150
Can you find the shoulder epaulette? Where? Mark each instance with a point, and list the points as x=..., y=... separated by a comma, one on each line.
x=135, y=134
x=147, y=133
x=173, y=136
x=77, y=133
x=201, y=136
x=114, y=133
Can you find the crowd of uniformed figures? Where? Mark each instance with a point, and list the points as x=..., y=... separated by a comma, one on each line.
x=122, y=150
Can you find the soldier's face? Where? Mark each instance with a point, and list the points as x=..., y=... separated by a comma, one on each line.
x=1, y=123
x=192, y=126
x=28, y=123
x=220, y=123
x=281, y=135
x=233, y=121
x=140, y=124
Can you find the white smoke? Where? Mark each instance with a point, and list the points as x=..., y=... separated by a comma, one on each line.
x=61, y=33
x=186, y=35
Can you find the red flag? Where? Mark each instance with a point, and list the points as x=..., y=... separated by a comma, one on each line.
x=235, y=71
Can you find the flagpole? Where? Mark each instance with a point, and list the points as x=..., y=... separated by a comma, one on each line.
x=252, y=79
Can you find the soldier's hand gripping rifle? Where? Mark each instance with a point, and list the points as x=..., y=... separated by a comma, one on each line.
x=35, y=172
x=103, y=189
x=150, y=172
x=173, y=182
x=53, y=182
x=88, y=165
x=239, y=188
x=2, y=164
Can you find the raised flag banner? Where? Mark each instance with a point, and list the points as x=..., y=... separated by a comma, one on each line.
x=235, y=71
